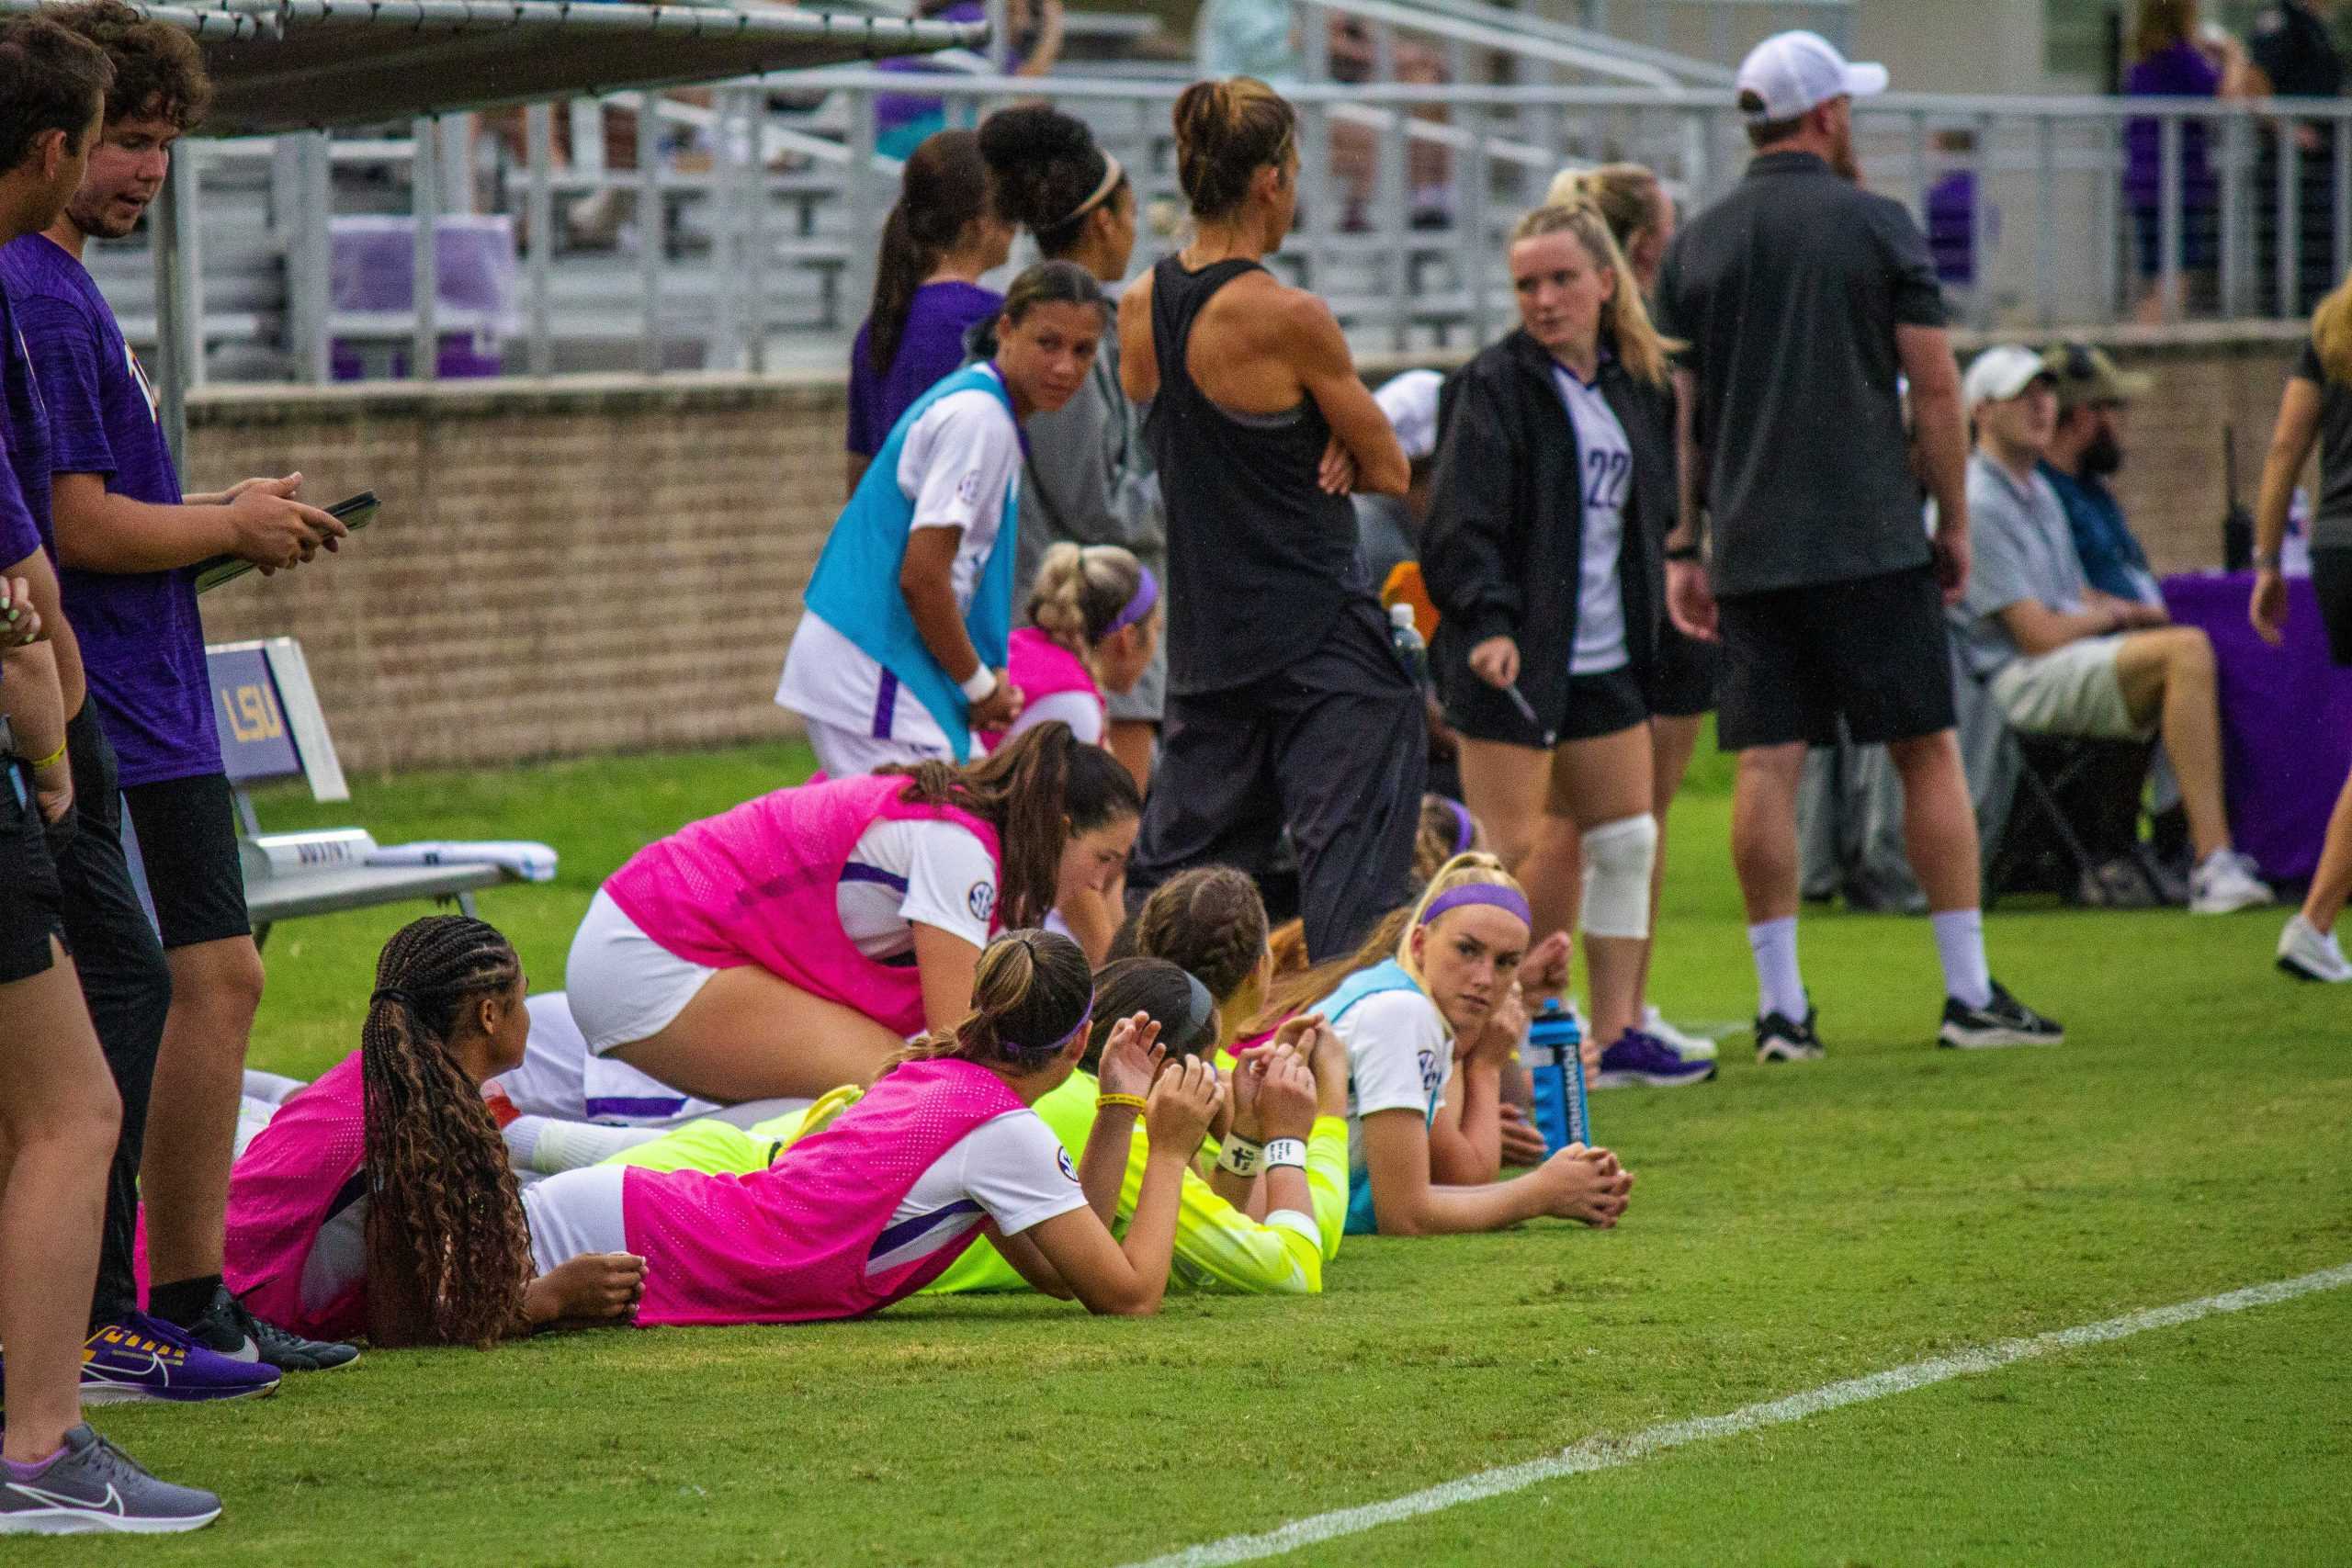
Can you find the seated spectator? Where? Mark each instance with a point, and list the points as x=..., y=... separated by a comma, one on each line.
x=2061, y=657
x=2086, y=450
x=1388, y=527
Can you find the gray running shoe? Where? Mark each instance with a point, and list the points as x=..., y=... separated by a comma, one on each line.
x=95, y=1487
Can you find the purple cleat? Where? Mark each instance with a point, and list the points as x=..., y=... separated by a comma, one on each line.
x=1641, y=1058
x=143, y=1358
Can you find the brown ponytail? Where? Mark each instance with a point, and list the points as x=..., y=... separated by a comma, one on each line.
x=448, y=1255
x=1038, y=792
x=1226, y=131
x=1210, y=922
x=1030, y=993
x=944, y=188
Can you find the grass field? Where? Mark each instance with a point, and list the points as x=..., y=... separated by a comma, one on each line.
x=1792, y=1227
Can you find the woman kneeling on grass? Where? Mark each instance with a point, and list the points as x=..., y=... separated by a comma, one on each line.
x=947, y=1148
x=794, y=943
x=379, y=1200
x=1430, y=1012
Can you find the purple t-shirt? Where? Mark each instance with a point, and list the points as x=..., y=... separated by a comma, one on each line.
x=24, y=449
x=143, y=641
x=930, y=347
x=2178, y=72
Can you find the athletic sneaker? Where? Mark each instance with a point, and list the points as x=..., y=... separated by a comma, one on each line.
x=1642, y=1058
x=145, y=1357
x=2225, y=884
x=228, y=1329
x=1689, y=1046
x=2004, y=1021
x=92, y=1485
x=2308, y=954
x=1781, y=1039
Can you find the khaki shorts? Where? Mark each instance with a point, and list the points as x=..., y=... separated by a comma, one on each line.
x=2072, y=690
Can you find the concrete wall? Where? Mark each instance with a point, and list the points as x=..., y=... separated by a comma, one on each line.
x=596, y=565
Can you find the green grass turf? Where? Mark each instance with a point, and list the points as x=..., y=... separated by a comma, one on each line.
x=1792, y=1226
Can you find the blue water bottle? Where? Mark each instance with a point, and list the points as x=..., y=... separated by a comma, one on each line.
x=1555, y=1065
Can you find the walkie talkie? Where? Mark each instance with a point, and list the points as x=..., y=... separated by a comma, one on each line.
x=2237, y=523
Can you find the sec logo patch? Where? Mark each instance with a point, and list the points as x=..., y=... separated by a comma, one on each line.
x=981, y=901
x=1068, y=1169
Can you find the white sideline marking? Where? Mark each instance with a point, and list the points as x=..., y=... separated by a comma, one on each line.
x=1607, y=1453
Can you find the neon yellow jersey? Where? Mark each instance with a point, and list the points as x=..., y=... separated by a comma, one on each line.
x=721, y=1149
x=1218, y=1248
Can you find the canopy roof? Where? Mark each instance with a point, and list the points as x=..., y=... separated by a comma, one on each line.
x=306, y=64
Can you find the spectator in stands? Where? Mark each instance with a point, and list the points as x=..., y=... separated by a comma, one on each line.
x=2086, y=450
x=900, y=651
x=1088, y=479
x=943, y=231
x=1951, y=214
x=59, y=1116
x=2316, y=410
x=2173, y=58
x=1641, y=218
x=126, y=537
x=1825, y=586
x=2061, y=657
x=1555, y=484
x=902, y=121
x=2294, y=55
x=1287, y=706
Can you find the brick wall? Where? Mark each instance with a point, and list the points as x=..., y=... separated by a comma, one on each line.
x=597, y=564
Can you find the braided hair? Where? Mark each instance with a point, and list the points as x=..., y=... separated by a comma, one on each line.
x=1030, y=993
x=444, y=1214
x=1208, y=921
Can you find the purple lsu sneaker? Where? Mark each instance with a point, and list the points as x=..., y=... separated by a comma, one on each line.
x=1641, y=1058
x=145, y=1357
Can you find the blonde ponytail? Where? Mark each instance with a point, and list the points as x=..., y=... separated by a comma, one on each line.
x=1627, y=196
x=1625, y=324
x=2332, y=332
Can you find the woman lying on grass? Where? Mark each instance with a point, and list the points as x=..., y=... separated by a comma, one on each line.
x=943, y=1149
x=1430, y=1011
x=389, y=1173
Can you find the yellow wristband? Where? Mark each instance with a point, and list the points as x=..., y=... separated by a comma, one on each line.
x=1132, y=1101
x=52, y=757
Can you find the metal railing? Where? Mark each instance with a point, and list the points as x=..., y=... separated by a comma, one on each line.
x=742, y=237
x=1718, y=30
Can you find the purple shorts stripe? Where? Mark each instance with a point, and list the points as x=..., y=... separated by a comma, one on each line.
x=886, y=706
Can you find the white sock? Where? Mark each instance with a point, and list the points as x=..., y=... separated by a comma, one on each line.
x=1959, y=943
x=550, y=1147
x=1778, y=988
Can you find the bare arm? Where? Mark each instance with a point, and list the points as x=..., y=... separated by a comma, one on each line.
x=56, y=630
x=2040, y=630
x=102, y=530
x=925, y=577
x=947, y=964
x=1467, y=1139
x=1690, y=462
x=1138, y=355
x=35, y=708
x=1925, y=354
x=1103, y=1167
x=2290, y=448
x=1317, y=350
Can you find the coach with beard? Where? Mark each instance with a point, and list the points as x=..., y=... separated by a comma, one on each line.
x=1802, y=299
x=2086, y=450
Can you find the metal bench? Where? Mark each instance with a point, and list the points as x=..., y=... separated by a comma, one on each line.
x=272, y=727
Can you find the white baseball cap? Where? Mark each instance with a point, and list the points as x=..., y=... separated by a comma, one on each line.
x=1410, y=402
x=2001, y=373
x=1796, y=72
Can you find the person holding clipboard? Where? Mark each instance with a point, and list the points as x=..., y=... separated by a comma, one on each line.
x=173, y=1023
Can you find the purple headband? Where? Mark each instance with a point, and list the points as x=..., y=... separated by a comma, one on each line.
x=1146, y=596
x=1494, y=893
x=1059, y=1046
x=1465, y=830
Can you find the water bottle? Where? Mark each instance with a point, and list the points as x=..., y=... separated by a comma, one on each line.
x=1555, y=1064
x=1406, y=639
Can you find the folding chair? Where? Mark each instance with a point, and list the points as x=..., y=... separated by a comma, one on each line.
x=2076, y=810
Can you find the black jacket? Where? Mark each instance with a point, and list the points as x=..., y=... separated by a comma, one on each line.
x=1503, y=553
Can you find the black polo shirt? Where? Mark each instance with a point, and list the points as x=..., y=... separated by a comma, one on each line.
x=1788, y=292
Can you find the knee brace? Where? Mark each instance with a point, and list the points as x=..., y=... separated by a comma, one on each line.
x=1617, y=861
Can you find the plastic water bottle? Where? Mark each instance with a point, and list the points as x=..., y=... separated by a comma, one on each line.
x=1555, y=1064
x=1406, y=639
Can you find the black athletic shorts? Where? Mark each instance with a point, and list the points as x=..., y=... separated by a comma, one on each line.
x=1604, y=704
x=187, y=842
x=2331, y=580
x=29, y=900
x=1689, y=672
x=1872, y=649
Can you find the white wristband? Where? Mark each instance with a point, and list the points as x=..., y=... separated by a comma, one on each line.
x=1240, y=1157
x=1291, y=1152
x=978, y=685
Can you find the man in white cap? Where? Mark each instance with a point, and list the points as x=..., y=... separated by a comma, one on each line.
x=2059, y=656
x=1802, y=299
x=1388, y=527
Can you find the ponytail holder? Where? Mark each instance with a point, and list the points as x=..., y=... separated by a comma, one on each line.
x=1507, y=899
x=1146, y=596
x=391, y=993
x=1465, y=830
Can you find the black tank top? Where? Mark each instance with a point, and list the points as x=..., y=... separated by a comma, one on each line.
x=1259, y=561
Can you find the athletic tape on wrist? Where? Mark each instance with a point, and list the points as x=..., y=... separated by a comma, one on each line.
x=1240, y=1156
